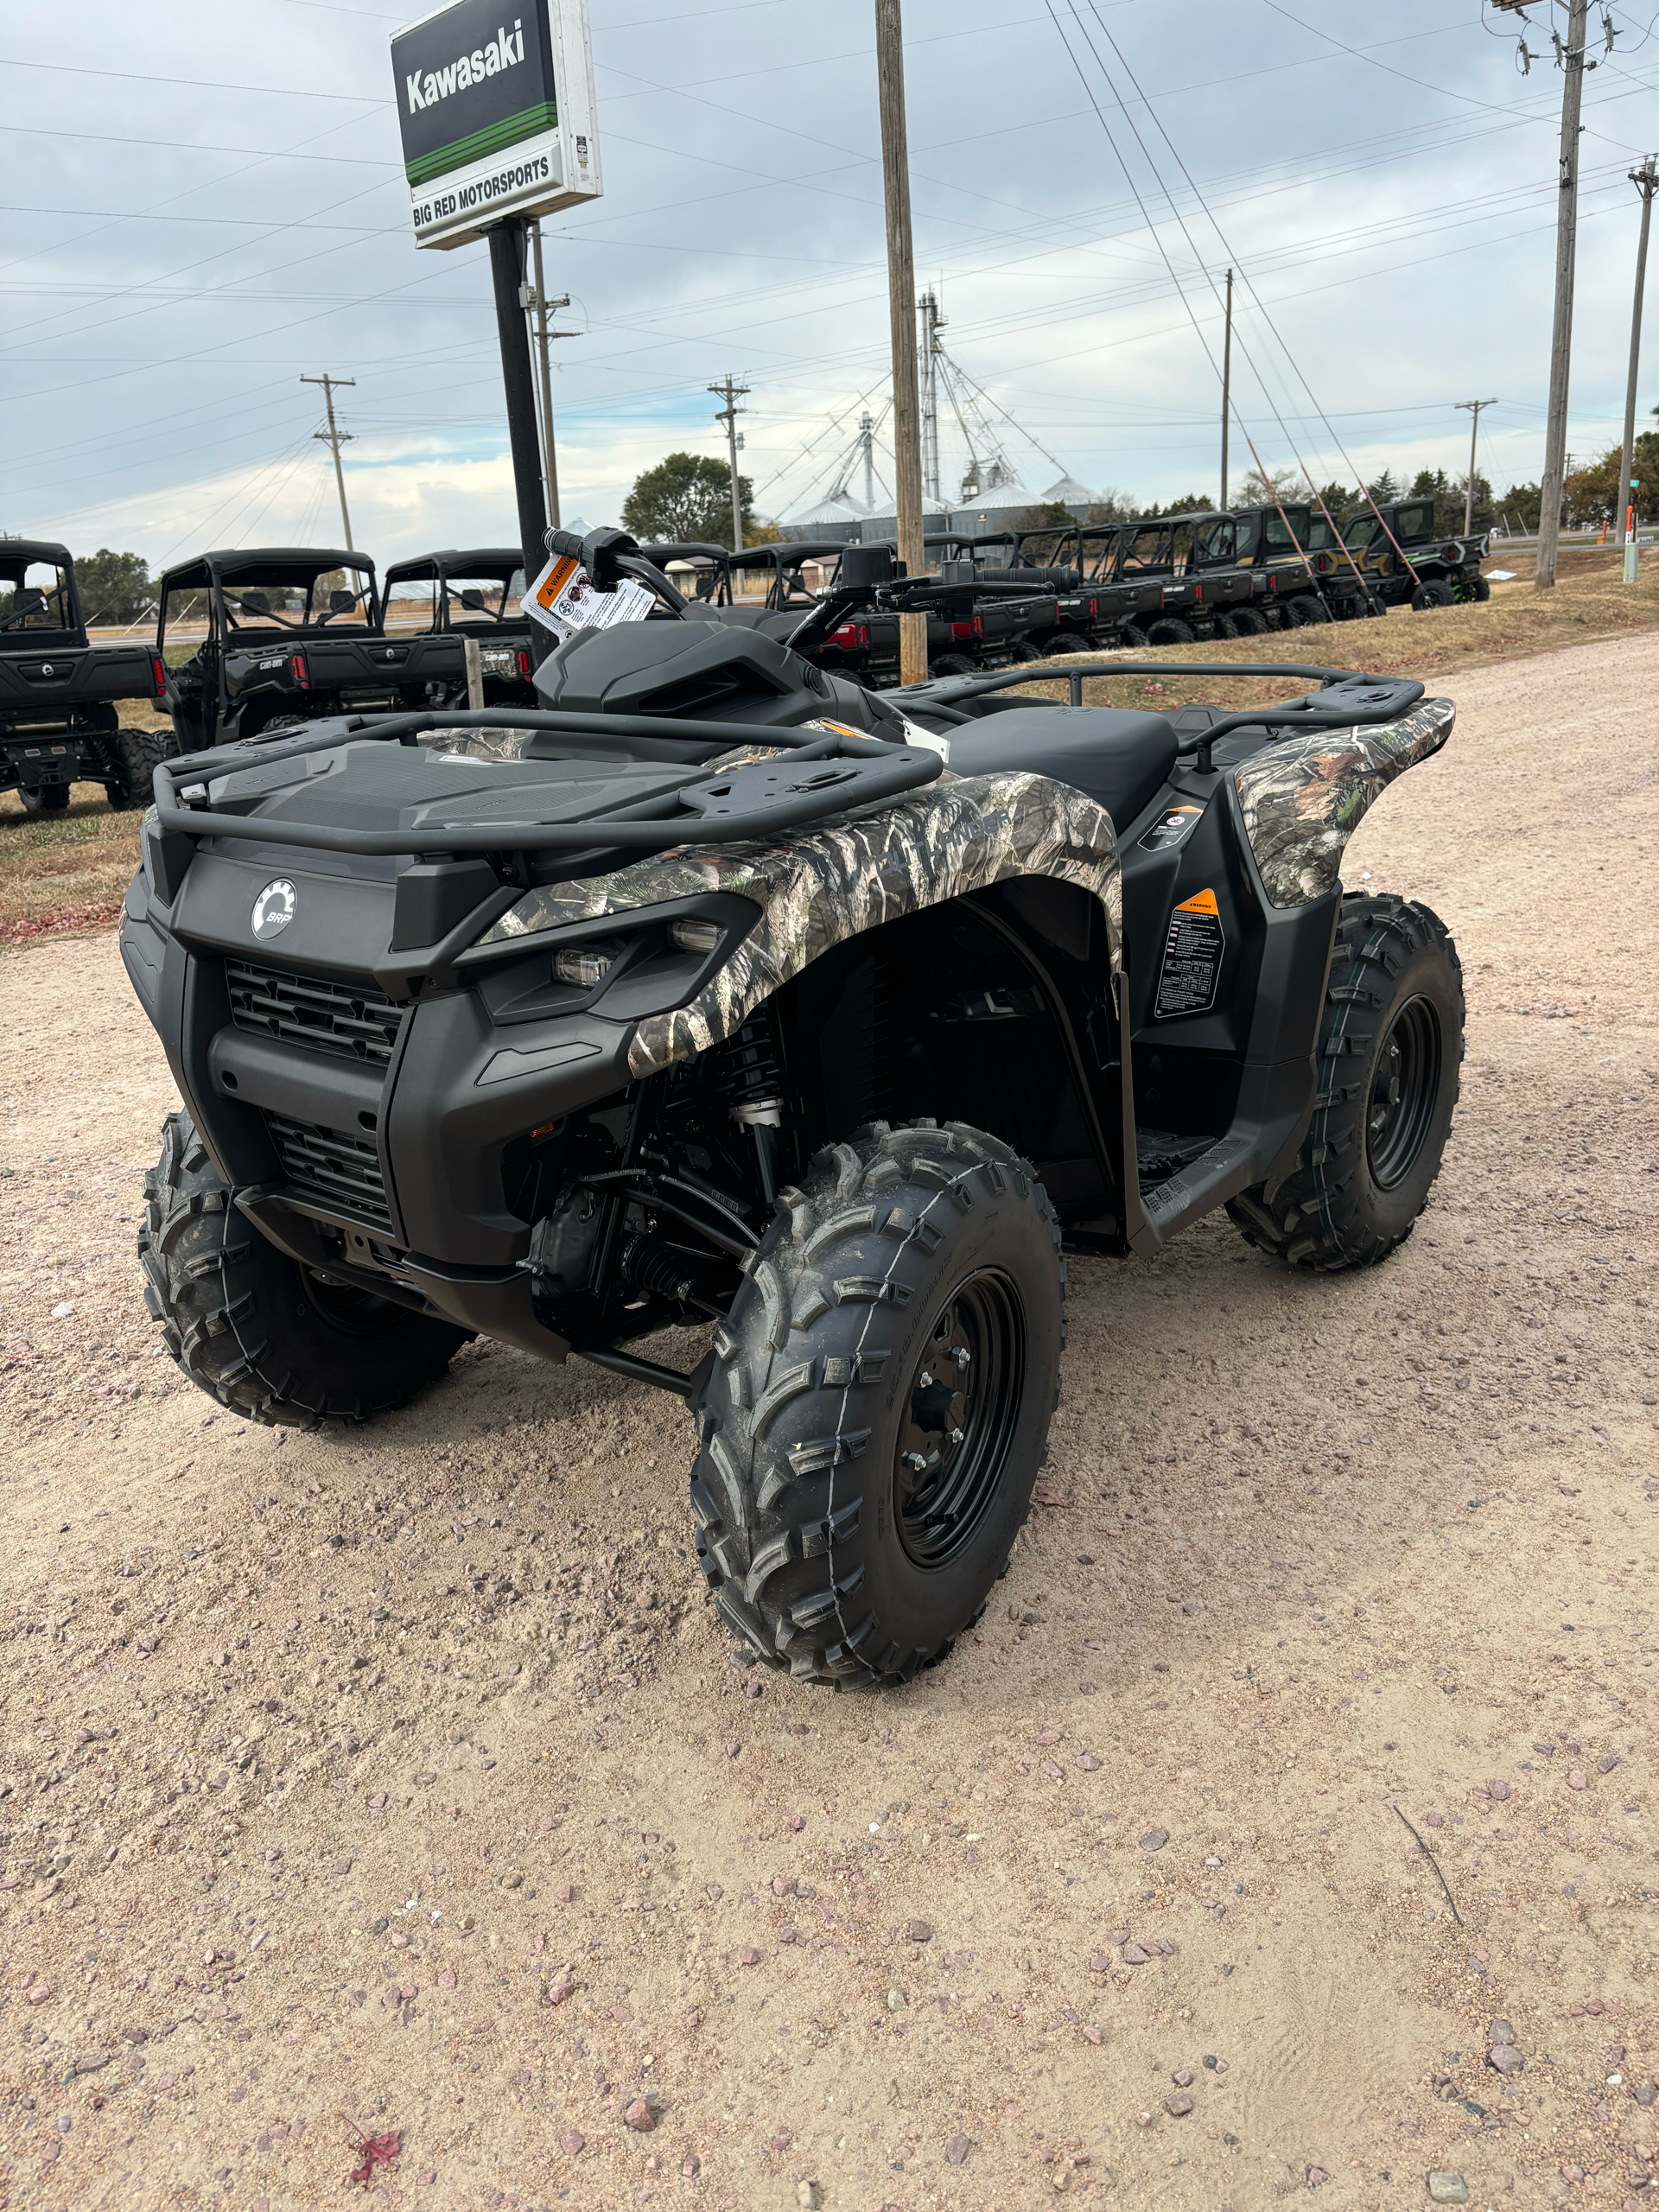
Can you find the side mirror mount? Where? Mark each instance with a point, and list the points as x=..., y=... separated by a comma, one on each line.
x=339, y=602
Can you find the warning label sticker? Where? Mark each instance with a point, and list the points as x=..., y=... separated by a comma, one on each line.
x=1193, y=951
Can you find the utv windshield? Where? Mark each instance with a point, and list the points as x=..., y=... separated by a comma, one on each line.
x=1363, y=530
x=34, y=595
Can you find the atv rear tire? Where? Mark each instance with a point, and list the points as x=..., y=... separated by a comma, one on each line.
x=1390, y=1047
x=138, y=755
x=878, y=1402
x=253, y=1329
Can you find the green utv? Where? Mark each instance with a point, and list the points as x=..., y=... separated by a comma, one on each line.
x=799, y=1027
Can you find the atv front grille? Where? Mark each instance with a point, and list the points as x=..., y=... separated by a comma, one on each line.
x=329, y=1017
x=333, y=1168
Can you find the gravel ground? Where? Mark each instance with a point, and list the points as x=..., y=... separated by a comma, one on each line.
x=401, y=1779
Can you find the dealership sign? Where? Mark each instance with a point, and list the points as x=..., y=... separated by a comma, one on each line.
x=495, y=99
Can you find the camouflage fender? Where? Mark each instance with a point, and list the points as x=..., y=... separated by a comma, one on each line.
x=1303, y=798
x=821, y=887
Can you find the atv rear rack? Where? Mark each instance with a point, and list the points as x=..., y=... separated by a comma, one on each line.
x=1359, y=698
x=756, y=799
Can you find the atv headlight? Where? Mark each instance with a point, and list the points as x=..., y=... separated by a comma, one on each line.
x=690, y=935
x=583, y=966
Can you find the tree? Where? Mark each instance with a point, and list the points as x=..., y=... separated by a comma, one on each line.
x=685, y=497
x=1111, y=506
x=1592, y=492
x=114, y=586
x=1519, y=508
x=1045, y=514
x=1383, y=487
x=1340, y=500
x=1266, y=487
x=1190, y=503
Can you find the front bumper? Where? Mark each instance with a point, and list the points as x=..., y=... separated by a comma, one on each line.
x=368, y=1131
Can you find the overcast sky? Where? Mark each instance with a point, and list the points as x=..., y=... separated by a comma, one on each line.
x=203, y=201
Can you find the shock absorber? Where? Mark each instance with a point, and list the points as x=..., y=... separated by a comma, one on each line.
x=651, y=1265
x=754, y=1081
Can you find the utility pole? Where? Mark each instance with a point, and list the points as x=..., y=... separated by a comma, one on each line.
x=867, y=443
x=1570, y=57
x=932, y=323
x=901, y=291
x=1644, y=179
x=1226, y=387
x=535, y=299
x=1474, y=407
x=333, y=437
x=518, y=383
x=732, y=393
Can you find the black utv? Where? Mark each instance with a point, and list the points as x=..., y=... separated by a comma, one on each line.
x=772, y=1041
x=59, y=726
x=475, y=596
x=285, y=635
x=1406, y=563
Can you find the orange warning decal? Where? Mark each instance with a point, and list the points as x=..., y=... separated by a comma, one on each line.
x=555, y=580
x=1201, y=902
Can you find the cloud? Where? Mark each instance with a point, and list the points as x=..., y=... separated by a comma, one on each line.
x=207, y=205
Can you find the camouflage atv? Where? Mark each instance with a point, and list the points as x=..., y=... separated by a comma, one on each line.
x=798, y=1029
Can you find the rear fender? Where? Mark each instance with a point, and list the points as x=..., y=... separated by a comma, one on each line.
x=1302, y=799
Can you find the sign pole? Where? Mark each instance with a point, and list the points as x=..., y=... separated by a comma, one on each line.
x=507, y=269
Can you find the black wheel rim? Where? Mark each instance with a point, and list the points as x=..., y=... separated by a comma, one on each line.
x=1405, y=1084
x=960, y=1412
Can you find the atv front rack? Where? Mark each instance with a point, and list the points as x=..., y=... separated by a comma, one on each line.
x=828, y=771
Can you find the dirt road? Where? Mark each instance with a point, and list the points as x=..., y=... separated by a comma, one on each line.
x=403, y=1773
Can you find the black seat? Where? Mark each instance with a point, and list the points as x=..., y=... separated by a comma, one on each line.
x=1120, y=760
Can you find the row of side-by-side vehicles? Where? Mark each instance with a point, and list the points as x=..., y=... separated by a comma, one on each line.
x=250, y=641
x=246, y=641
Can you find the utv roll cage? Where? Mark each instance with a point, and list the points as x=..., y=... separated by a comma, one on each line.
x=218, y=576
x=17, y=557
x=457, y=611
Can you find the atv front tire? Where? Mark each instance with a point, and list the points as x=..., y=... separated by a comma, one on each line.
x=266, y=1337
x=1390, y=1048
x=879, y=1404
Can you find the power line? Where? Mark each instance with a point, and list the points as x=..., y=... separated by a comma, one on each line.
x=334, y=436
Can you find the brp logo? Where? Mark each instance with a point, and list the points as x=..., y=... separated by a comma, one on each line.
x=273, y=910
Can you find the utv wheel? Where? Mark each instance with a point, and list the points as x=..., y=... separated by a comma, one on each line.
x=253, y=1329
x=1068, y=641
x=952, y=664
x=1249, y=621
x=1479, y=587
x=1025, y=649
x=1432, y=594
x=46, y=798
x=138, y=755
x=1374, y=608
x=1169, y=630
x=879, y=1404
x=1390, y=1047
x=1306, y=609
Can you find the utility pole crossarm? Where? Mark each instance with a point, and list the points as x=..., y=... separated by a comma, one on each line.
x=334, y=438
x=731, y=393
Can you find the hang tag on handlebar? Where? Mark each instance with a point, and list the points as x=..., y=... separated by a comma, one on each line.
x=565, y=599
